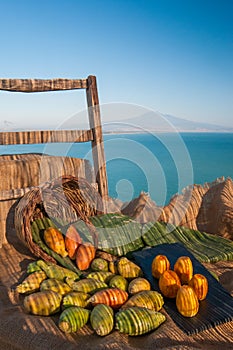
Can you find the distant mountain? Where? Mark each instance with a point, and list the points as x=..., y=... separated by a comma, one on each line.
x=158, y=122
x=149, y=121
x=184, y=124
x=6, y=125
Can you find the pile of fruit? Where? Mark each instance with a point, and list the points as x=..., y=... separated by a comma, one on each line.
x=180, y=283
x=94, y=297
x=106, y=291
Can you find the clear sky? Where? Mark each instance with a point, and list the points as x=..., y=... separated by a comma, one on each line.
x=173, y=56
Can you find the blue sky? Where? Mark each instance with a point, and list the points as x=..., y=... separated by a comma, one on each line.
x=172, y=56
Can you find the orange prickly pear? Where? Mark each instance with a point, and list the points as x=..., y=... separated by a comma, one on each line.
x=169, y=283
x=200, y=285
x=184, y=269
x=85, y=255
x=186, y=301
x=55, y=241
x=72, y=241
x=113, y=297
x=159, y=265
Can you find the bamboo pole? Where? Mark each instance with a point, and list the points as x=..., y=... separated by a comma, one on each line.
x=97, y=143
x=41, y=85
x=44, y=136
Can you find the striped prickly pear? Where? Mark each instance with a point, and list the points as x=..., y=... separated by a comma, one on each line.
x=128, y=269
x=137, y=320
x=84, y=256
x=104, y=276
x=73, y=318
x=88, y=285
x=112, y=265
x=113, y=297
x=102, y=319
x=75, y=299
x=56, y=286
x=32, y=282
x=138, y=285
x=120, y=282
x=55, y=271
x=43, y=303
x=149, y=299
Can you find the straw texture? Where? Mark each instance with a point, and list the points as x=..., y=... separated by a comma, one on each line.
x=66, y=198
x=39, y=333
x=32, y=169
x=20, y=173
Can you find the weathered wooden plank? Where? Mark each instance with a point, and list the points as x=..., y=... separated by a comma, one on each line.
x=94, y=134
x=97, y=142
x=44, y=136
x=41, y=85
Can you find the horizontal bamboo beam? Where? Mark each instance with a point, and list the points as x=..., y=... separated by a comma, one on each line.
x=44, y=136
x=41, y=85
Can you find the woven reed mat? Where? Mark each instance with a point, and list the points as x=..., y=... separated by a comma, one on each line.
x=19, y=331
x=211, y=311
x=28, y=170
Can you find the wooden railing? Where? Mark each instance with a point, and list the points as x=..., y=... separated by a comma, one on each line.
x=42, y=85
x=94, y=134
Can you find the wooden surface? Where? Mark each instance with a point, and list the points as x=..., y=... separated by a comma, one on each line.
x=94, y=134
x=97, y=143
x=44, y=136
x=40, y=85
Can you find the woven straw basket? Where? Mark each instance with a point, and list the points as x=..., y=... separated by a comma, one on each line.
x=67, y=198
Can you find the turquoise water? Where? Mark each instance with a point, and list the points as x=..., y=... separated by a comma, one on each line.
x=160, y=164
x=195, y=158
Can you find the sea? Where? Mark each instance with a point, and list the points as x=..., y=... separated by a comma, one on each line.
x=160, y=164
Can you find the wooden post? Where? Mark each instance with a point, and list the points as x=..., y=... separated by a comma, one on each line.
x=97, y=143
